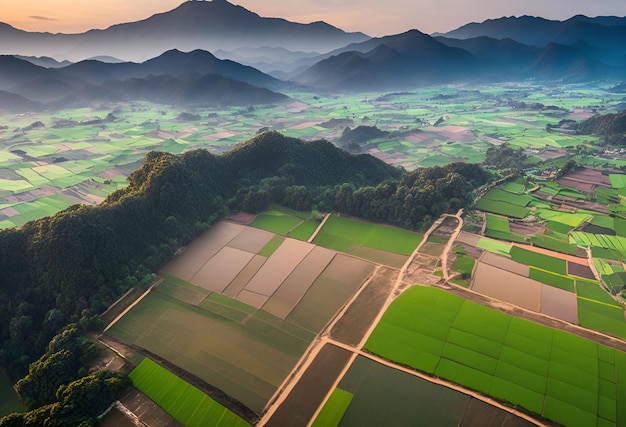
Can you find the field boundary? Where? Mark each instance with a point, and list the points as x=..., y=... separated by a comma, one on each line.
x=319, y=227
x=137, y=301
x=215, y=393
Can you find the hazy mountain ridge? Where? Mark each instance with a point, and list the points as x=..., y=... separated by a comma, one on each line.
x=402, y=60
x=605, y=33
x=192, y=25
x=504, y=49
x=173, y=63
x=519, y=61
x=173, y=78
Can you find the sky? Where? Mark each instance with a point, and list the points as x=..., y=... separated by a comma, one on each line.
x=373, y=17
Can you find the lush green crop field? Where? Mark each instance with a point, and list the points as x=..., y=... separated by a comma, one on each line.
x=617, y=180
x=508, y=197
x=495, y=246
x=571, y=219
x=497, y=223
x=464, y=264
x=561, y=376
x=334, y=408
x=9, y=400
x=593, y=291
x=249, y=368
x=558, y=281
x=554, y=244
x=276, y=222
x=181, y=400
x=601, y=317
x=271, y=246
x=616, y=243
x=304, y=231
x=502, y=208
x=341, y=233
x=516, y=187
x=558, y=227
x=385, y=396
x=544, y=262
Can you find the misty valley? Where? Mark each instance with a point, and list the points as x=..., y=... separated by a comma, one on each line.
x=52, y=160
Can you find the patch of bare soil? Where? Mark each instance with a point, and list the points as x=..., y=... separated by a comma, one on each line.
x=300, y=405
x=241, y=218
x=525, y=228
x=109, y=359
x=125, y=350
x=447, y=227
x=356, y=321
x=116, y=418
x=147, y=411
x=580, y=270
x=479, y=414
x=421, y=270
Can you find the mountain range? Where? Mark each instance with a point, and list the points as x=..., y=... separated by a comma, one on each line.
x=174, y=77
x=608, y=34
x=206, y=25
x=173, y=63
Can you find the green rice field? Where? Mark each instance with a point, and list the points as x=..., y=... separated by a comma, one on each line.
x=341, y=233
x=535, y=259
x=495, y=246
x=502, y=208
x=497, y=223
x=287, y=222
x=98, y=157
x=559, y=281
x=334, y=409
x=276, y=222
x=384, y=396
x=561, y=376
x=187, y=404
x=248, y=368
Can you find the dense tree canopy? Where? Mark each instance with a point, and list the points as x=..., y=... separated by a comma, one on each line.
x=611, y=127
x=504, y=156
x=72, y=265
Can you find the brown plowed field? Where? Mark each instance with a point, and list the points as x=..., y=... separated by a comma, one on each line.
x=356, y=321
x=309, y=393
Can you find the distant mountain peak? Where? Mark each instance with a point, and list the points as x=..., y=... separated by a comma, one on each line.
x=206, y=25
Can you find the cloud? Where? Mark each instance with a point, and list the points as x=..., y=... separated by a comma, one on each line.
x=41, y=18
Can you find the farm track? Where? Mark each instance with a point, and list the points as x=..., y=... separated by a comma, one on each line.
x=325, y=339
x=400, y=285
x=137, y=301
x=405, y=279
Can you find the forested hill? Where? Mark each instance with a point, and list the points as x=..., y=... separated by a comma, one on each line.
x=611, y=127
x=72, y=265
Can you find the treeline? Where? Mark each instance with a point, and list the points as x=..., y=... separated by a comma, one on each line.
x=415, y=200
x=72, y=265
x=611, y=127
